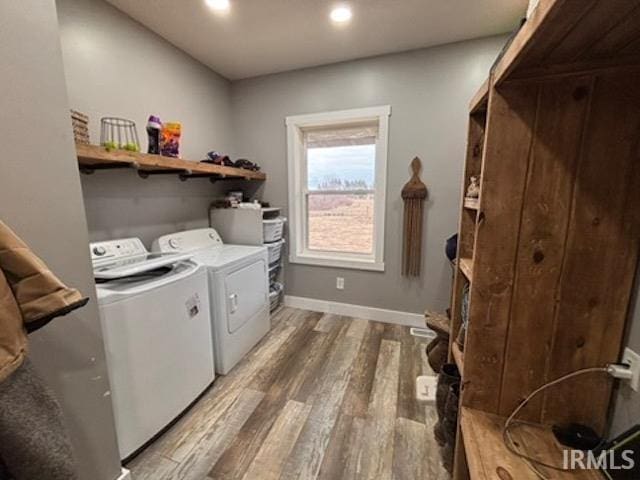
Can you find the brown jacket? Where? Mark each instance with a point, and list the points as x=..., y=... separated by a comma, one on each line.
x=30, y=296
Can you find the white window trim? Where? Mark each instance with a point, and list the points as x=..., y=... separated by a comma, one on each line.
x=297, y=190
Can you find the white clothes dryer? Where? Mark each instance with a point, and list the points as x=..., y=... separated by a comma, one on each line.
x=238, y=290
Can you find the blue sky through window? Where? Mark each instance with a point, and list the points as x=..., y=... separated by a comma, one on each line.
x=338, y=168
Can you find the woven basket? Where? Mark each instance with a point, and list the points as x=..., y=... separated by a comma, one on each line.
x=80, y=123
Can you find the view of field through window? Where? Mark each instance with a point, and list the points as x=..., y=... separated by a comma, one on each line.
x=341, y=222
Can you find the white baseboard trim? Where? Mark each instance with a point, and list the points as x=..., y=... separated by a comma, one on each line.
x=358, y=311
x=125, y=475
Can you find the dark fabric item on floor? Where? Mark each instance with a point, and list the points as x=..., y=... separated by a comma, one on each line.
x=34, y=443
x=437, y=352
x=438, y=434
x=448, y=456
x=450, y=426
x=450, y=419
x=449, y=375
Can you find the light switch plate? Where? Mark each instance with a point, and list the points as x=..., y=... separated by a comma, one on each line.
x=632, y=359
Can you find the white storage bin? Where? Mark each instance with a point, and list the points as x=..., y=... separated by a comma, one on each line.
x=275, y=295
x=274, y=270
x=272, y=229
x=269, y=213
x=275, y=251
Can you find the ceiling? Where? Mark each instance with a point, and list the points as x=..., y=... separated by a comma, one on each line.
x=258, y=37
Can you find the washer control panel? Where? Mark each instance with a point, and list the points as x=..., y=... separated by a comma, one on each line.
x=113, y=249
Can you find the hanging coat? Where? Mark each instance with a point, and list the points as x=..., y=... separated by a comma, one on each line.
x=30, y=296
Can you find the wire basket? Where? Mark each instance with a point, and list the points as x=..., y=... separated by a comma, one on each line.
x=119, y=133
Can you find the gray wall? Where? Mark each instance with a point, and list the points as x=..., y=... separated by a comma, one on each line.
x=40, y=197
x=116, y=67
x=429, y=91
x=627, y=402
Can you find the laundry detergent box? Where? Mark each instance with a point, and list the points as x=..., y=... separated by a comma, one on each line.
x=170, y=139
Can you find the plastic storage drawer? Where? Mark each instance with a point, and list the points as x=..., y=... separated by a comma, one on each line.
x=272, y=230
x=275, y=295
x=275, y=251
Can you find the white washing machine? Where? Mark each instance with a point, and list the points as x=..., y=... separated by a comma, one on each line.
x=238, y=290
x=154, y=310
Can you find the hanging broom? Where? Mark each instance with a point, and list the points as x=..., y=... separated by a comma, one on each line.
x=414, y=194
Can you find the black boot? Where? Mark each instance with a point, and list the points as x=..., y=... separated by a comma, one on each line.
x=450, y=426
x=449, y=375
x=437, y=352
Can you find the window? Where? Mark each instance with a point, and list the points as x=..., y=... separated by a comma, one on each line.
x=337, y=176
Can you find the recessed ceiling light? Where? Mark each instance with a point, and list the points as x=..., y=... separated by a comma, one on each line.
x=218, y=5
x=341, y=14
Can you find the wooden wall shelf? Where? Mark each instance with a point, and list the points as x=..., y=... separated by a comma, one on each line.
x=93, y=157
x=466, y=267
x=488, y=457
x=471, y=203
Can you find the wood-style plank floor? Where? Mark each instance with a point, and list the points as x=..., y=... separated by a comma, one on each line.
x=321, y=397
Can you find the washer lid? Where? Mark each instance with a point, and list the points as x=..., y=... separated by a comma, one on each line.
x=116, y=289
x=136, y=264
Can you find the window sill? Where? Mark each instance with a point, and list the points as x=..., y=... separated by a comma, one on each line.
x=321, y=261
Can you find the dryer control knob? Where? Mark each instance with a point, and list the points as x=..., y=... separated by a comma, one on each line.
x=99, y=251
x=173, y=243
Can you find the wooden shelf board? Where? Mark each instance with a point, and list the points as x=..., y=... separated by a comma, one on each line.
x=479, y=101
x=466, y=267
x=472, y=203
x=94, y=156
x=488, y=457
x=552, y=41
x=522, y=42
x=458, y=356
x=437, y=322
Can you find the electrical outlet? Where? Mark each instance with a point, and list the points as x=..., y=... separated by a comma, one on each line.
x=340, y=283
x=632, y=359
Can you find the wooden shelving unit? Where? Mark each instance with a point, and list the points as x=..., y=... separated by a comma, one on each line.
x=93, y=157
x=471, y=203
x=479, y=101
x=466, y=267
x=458, y=357
x=487, y=455
x=552, y=136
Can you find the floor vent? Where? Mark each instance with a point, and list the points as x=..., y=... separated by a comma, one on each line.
x=423, y=333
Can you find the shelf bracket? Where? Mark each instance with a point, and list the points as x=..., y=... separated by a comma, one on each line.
x=168, y=171
x=213, y=177
x=107, y=166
